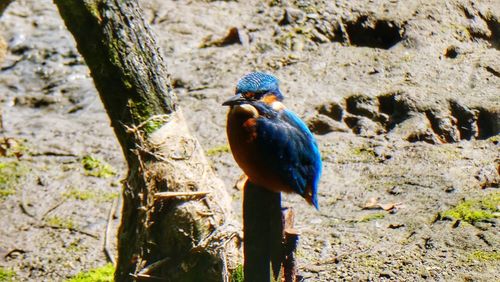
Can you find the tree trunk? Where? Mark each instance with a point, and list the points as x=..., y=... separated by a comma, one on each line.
x=183, y=236
x=3, y=5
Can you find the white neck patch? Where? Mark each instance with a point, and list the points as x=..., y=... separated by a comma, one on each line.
x=278, y=106
x=247, y=109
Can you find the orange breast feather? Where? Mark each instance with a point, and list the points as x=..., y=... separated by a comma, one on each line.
x=243, y=140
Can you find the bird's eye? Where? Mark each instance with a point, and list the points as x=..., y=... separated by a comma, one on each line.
x=249, y=95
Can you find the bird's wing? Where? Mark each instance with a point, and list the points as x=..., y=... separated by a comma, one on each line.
x=292, y=151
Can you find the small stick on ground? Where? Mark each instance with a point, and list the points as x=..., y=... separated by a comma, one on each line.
x=14, y=251
x=24, y=206
x=168, y=195
x=52, y=208
x=106, y=248
x=69, y=229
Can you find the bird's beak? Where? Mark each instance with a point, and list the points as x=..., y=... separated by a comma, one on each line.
x=237, y=99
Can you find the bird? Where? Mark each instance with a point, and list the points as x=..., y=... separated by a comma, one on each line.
x=270, y=143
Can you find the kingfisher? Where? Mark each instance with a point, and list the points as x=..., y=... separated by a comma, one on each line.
x=270, y=143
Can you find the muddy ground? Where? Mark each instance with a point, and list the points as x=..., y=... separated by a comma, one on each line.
x=403, y=97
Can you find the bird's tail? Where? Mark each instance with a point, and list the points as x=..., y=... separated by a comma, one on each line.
x=312, y=197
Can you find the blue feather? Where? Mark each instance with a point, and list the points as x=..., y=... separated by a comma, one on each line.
x=259, y=83
x=291, y=149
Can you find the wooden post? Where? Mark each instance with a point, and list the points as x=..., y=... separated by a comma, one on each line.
x=263, y=231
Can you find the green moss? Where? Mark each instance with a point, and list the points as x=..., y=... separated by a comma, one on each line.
x=286, y=39
x=141, y=112
x=218, y=150
x=476, y=210
x=359, y=154
x=495, y=138
x=363, y=152
x=237, y=274
x=117, y=48
x=4, y=193
x=369, y=262
x=371, y=217
x=6, y=275
x=152, y=125
x=101, y=274
x=309, y=9
x=75, y=247
x=106, y=197
x=485, y=256
x=446, y=152
x=97, y=168
x=127, y=84
x=79, y=194
x=92, y=8
x=10, y=174
x=12, y=147
x=85, y=195
x=57, y=221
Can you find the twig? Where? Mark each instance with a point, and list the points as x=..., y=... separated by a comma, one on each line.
x=69, y=229
x=52, y=208
x=24, y=206
x=108, y=230
x=168, y=195
x=202, y=213
x=11, y=65
x=225, y=272
x=153, y=266
x=52, y=154
x=11, y=252
x=220, y=235
x=340, y=257
x=146, y=277
x=135, y=128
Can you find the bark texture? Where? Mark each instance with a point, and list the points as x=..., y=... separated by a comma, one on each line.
x=3, y=5
x=174, y=237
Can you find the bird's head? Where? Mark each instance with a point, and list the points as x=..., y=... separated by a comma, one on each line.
x=256, y=86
